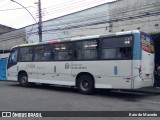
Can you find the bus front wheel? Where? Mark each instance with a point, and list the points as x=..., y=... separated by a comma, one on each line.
x=85, y=84
x=23, y=80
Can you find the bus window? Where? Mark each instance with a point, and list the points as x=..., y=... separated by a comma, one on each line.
x=42, y=53
x=85, y=50
x=117, y=48
x=62, y=51
x=109, y=53
x=109, y=42
x=26, y=54
x=124, y=41
x=124, y=47
x=13, y=56
x=108, y=48
x=124, y=52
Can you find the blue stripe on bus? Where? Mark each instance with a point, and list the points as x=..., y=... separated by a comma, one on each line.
x=137, y=52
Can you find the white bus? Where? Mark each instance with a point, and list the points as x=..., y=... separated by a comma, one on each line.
x=124, y=60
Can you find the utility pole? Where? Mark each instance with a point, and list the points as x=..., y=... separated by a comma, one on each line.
x=40, y=21
x=40, y=17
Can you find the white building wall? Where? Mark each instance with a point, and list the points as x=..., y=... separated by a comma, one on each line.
x=122, y=15
x=11, y=39
x=92, y=21
x=135, y=14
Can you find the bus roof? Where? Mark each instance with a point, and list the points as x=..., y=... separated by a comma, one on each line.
x=79, y=38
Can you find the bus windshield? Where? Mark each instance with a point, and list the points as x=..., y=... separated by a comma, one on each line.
x=147, y=43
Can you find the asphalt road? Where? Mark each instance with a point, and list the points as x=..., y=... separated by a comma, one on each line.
x=39, y=98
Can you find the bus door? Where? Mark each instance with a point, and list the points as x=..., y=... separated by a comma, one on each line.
x=62, y=72
x=117, y=51
x=147, y=67
x=123, y=68
x=12, y=68
x=43, y=65
x=62, y=56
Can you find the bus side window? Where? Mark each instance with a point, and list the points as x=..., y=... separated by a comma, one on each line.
x=62, y=51
x=42, y=53
x=124, y=47
x=26, y=54
x=109, y=48
x=86, y=50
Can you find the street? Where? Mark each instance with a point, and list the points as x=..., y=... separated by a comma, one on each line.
x=39, y=98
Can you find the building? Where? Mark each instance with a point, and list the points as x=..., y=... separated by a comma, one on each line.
x=4, y=29
x=10, y=39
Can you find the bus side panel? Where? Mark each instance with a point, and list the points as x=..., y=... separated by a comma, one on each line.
x=12, y=73
x=107, y=74
x=63, y=73
x=28, y=67
x=147, y=69
x=137, y=80
x=54, y=73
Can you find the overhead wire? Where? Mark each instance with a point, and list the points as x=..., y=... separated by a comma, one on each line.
x=16, y=8
x=87, y=19
x=45, y=15
x=154, y=14
x=27, y=20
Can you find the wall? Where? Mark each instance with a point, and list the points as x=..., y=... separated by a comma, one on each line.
x=122, y=15
x=13, y=38
x=4, y=29
x=87, y=22
x=135, y=14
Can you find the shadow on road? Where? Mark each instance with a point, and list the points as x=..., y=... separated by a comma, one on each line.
x=116, y=94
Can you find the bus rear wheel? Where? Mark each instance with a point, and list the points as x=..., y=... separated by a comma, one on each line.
x=85, y=84
x=23, y=80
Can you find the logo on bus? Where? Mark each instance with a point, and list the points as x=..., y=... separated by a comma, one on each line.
x=146, y=44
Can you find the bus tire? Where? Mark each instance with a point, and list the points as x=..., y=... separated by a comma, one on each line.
x=23, y=80
x=85, y=84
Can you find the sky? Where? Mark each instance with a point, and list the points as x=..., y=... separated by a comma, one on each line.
x=15, y=16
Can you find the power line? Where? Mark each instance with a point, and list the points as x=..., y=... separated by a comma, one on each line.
x=48, y=15
x=17, y=8
x=5, y=5
x=91, y=18
x=69, y=4
x=96, y=23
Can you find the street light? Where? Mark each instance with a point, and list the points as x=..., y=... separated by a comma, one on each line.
x=25, y=9
x=40, y=18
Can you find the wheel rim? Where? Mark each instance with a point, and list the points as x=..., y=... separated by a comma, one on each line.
x=85, y=85
x=24, y=80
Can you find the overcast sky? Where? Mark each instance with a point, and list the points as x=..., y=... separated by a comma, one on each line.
x=13, y=15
